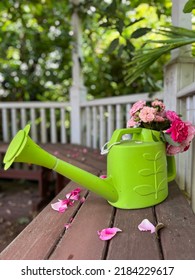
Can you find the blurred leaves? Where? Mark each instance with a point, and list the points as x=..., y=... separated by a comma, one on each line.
x=144, y=58
x=36, y=41
x=189, y=6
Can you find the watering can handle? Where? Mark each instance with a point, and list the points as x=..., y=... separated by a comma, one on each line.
x=118, y=133
x=171, y=168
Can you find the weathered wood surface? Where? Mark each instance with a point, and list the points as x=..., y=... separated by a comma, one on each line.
x=178, y=237
x=46, y=237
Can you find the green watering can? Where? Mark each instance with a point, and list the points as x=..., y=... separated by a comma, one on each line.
x=138, y=170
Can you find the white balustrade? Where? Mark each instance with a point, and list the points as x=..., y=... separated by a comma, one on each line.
x=50, y=121
x=186, y=161
x=103, y=116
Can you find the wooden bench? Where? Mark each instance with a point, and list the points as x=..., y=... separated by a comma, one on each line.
x=46, y=237
x=26, y=172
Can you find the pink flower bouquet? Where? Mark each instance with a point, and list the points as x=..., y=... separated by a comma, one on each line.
x=177, y=134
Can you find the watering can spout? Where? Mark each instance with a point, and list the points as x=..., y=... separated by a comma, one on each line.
x=23, y=149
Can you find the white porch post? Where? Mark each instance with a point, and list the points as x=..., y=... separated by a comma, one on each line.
x=77, y=90
x=179, y=72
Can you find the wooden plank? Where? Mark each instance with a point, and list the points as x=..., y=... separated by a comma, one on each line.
x=75, y=154
x=81, y=241
x=177, y=238
x=21, y=174
x=41, y=236
x=132, y=244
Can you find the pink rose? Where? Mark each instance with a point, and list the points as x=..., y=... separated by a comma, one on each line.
x=172, y=116
x=132, y=123
x=178, y=130
x=147, y=114
x=173, y=150
x=158, y=118
x=159, y=104
x=137, y=106
x=191, y=132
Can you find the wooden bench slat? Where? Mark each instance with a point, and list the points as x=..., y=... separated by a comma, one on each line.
x=81, y=241
x=38, y=239
x=91, y=157
x=131, y=244
x=21, y=173
x=178, y=237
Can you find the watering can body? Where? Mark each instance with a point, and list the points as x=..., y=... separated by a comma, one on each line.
x=138, y=170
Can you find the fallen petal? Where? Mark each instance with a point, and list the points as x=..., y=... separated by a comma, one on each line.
x=74, y=195
x=82, y=200
x=146, y=225
x=103, y=176
x=67, y=225
x=59, y=206
x=108, y=233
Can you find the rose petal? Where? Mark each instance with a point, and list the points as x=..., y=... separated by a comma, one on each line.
x=103, y=176
x=59, y=206
x=146, y=225
x=74, y=195
x=82, y=200
x=68, y=225
x=62, y=205
x=108, y=233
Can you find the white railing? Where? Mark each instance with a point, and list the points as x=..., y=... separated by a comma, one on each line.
x=50, y=121
x=186, y=161
x=101, y=117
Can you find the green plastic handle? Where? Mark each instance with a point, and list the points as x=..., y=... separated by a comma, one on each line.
x=118, y=133
x=171, y=168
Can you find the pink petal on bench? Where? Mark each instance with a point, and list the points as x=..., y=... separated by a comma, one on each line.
x=60, y=206
x=146, y=225
x=103, y=176
x=108, y=233
x=74, y=195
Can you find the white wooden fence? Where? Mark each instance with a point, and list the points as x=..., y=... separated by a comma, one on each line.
x=101, y=117
x=49, y=120
x=186, y=161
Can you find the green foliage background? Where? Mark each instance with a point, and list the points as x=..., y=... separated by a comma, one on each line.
x=36, y=44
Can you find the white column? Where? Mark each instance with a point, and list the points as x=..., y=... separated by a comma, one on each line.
x=179, y=18
x=179, y=72
x=77, y=90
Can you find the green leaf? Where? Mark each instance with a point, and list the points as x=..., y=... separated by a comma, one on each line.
x=130, y=46
x=189, y=6
x=120, y=25
x=140, y=32
x=113, y=45
x=144, y=57
x=154, y=138
x=120, y=50
x=169, y=140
